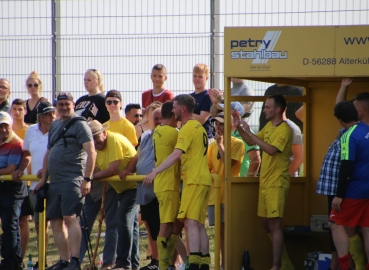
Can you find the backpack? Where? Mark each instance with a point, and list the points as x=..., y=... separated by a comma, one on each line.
x=67, y=126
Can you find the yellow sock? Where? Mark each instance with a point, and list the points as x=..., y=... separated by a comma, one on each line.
x=164, y=260
x=286, y=262
x=205, y=259
x=357, y=252
x=195, y=258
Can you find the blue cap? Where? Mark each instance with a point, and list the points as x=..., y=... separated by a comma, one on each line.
x=235, y=106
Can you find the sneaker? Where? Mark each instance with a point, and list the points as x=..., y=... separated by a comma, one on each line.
x=172, y=267
x=106, y=266
x=74, y=265
x=117, y=267
x=35, y=267
x=153, y=265
x=60, y=265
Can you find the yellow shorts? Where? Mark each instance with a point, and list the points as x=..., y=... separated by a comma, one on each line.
x=271, y=202
x=194, y=202
x=168, y=205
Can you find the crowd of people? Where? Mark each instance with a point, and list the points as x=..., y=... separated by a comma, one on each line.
x=72, y=146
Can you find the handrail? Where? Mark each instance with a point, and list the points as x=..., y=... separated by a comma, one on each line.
x=133, y=178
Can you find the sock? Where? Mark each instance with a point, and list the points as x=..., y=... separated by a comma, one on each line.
x=195, y=260
x=344, y=262
x=166, y=247
x=205, y=261
x=286, y=262
x=75, y=259
x=357, y=252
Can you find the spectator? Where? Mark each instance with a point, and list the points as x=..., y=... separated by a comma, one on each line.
x=92, y=105
x=292, y=107
x=159, y=92
x=34, y=88
x=114, y=152
x=18, y=111
x=350, y=205
x=133, y=113
x=35, y=146
x=4, y=94
x=143, y=163
x=70, y=175
x=216, y=165
x=149, y=124
x=275, y=139
x=11, y=193
x=200, y=75
x=192, y=141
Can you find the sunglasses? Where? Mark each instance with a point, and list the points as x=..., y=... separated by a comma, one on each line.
x=34, y=85
x=138, y=115
x=109, y=102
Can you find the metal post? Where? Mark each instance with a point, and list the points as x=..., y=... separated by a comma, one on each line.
x=56, y=48
x=214, y=44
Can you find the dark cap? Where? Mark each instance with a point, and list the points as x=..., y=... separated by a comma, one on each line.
x=64, y=95
x=113, y=93
x=45, y=107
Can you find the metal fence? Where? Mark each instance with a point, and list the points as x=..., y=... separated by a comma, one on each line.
x=61, y=39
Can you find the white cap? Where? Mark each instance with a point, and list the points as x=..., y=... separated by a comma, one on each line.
x=5, y=118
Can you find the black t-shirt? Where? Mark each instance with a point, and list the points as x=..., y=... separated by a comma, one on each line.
x=203, y=103
x=31, y=116
x=92, y=107
x=292, y=107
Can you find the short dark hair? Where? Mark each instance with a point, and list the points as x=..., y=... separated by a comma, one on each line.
x=187, y=101
x=19, y=101
x=279, y=102
x=363, y=96
x=346, y=112
x=166, y=110
x=131, y=106
x=159, y=67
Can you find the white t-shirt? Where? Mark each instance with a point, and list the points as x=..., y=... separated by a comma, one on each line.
x=36, y=143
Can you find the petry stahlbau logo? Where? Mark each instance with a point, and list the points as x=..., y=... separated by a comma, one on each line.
x=264, y=51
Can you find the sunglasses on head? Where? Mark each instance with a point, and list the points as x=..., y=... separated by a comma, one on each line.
x=34, y=85
x=138, y=115
x=109, y=102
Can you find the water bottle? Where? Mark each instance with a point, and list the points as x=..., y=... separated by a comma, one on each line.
x=187, y=263
x=30, y=264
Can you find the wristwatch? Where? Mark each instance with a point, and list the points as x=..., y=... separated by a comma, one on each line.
x=87, y=179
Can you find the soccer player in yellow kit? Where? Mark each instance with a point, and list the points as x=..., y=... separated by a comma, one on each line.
x=166, y=186
x=191, y=148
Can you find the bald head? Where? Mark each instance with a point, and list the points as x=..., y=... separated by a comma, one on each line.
x=4, y=89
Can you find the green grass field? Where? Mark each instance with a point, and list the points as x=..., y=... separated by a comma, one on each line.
x=53, y=255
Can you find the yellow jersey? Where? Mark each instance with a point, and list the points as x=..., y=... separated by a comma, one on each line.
x=124, y=127
x=274, y=169
x=193, y=142
x=119, y=148
x=216, y=165
x=164, y=140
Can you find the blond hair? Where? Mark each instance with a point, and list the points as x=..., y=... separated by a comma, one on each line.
x=34, y=75
x=153, y=106
x=99, y=77
x=201, y=68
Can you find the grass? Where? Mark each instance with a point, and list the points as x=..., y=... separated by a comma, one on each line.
x=53, y=255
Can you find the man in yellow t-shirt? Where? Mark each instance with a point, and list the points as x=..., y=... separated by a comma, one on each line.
x=275, y=139
x=216, y=166
x=166, y=186
x=191, y=148
x=114, y=151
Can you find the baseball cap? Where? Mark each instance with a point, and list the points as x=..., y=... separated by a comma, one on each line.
x=45, y=107
x=219, y=117
x=114, y=93
x=5, y=118
x=64, y=95
x=96, y=127
x=235, y=106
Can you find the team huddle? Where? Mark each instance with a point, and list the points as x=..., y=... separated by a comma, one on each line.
x=176, y=141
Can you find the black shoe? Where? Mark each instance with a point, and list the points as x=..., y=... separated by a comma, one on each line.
x=153, y=265
x=74, y=265
x=35, y=267
x=60, y=265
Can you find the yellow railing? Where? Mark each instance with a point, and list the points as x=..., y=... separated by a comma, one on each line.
x=135, y=178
